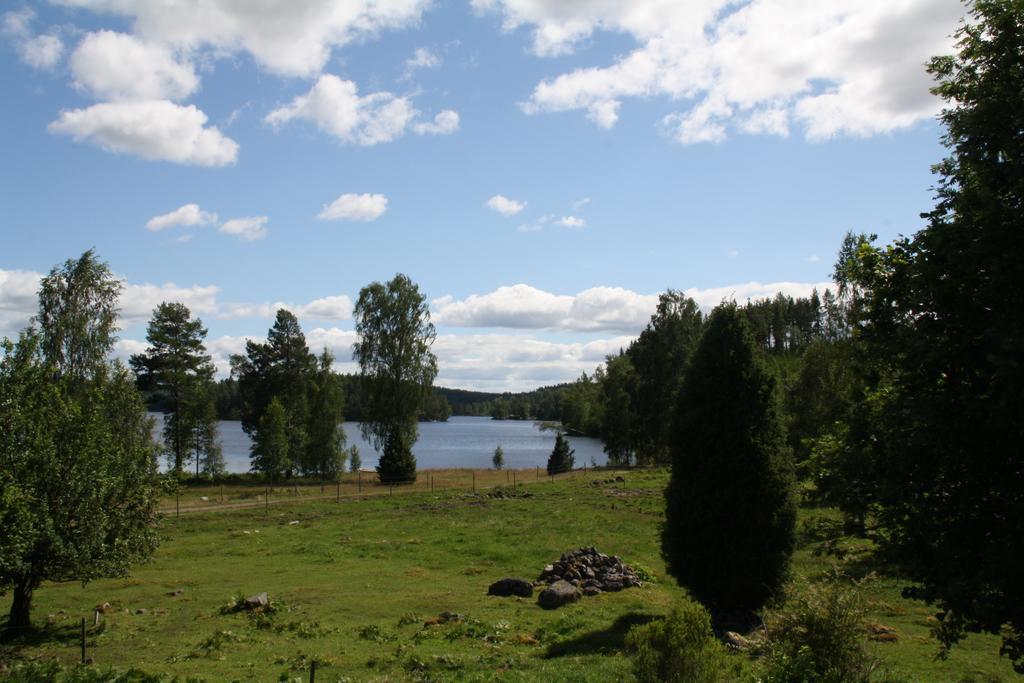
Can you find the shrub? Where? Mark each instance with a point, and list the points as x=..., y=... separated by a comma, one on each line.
x=819, y=636
x=681, y=648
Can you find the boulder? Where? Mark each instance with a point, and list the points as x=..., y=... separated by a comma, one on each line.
x=511, y=586
x=557, y=594
x=257, y=601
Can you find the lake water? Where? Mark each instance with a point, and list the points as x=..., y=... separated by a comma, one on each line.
x=459, y=442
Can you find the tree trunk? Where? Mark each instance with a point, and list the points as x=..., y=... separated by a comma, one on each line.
x=21, y=607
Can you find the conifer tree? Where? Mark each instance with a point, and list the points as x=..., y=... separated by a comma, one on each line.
x=498, y=460
x=730, y=511
x=270, y=454
x=562, y=458
x=325, y=452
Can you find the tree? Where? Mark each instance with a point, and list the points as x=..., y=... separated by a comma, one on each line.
x=282, y=368
x=79, y=483
x=397, y=370
x=618, y=396
x=498, y=460
x=730, y=509
x=200, y=412
x=325, y=454
x=562, y=458
x=945, y=327
x=175, y=364
x=355, y=462
x=660, y=356
x=270, y=445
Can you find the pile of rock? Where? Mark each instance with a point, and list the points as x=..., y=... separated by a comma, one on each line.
x=590, y=571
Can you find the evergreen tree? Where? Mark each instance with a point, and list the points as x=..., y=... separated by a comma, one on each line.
x=355, y=462
x=397, y=370
x=325, y=454
x=498, y=460
x=175, y=364
x=944, y=330
x=730, y=510
x=619, y=395
x=270, y=454
x=562, y=458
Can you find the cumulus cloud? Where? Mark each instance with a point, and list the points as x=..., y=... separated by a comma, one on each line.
x=138, y=300
x=760, y=67
x=445, y=123
x=118, y=66
x=335, y=106
x=592, y=310
x=151, y=129
x=504, y=205
x=571, y=222
x=248, y=228
x=43, y=51
x=337, y=307
x=187, y=216
x=282, y=38
x=422, y=58
x=355, y=207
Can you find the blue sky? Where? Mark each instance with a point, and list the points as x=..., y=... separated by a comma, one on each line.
x=542, y=169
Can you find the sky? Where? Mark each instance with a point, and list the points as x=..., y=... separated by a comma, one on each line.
x=542, y=169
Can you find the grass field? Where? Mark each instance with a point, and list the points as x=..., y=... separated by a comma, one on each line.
x=353, y=583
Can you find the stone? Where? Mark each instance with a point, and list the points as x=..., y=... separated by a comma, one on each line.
x=881, y=633
x=735, y=641
x=294, y=522
x=103, y=608
x=591, y=591
x=257, y=601
x=176, y=592
x=511, y=586
x=142, y=610
x=557, y=594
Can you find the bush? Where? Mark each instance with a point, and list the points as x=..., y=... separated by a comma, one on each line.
x=681, y=648
x=819, y=636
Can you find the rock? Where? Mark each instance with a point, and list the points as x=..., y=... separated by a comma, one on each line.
x=176, y=592
x=142, y=610
x=257, y=601
x=294, y=522
x=511, y=586
x=205, y=499
x=591, y=591
x=735, y=641
x=557, y=594
x=443, y=618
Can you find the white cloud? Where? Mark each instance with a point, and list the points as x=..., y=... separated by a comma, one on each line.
x=335, y=107
x=287, y=38
x=157, y=130
x=845, y=67
x=248, y=228
x=578, y=204
x=504, y=205
x=42, y=51
x=19, y=290
x=422, y=58
x=118, y=66
x=338, y=307
x=138, y=301
x=592, y=310
x=571, y=222
x=187, y=215
x=445, y=123
x=355, y=207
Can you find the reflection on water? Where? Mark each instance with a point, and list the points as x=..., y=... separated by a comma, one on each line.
x=459, y=442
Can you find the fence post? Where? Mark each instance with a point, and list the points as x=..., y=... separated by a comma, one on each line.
x=538, y=472
x=339, y=489
x=267, y=501
x=474, y=481
x=177, y=505
x=312, y=671
x=360, y=476
x=222, y=493
x=431, y=482
x=513, y=480
x=83, y=640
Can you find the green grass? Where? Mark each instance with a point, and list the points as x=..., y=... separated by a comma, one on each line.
x=354, y=581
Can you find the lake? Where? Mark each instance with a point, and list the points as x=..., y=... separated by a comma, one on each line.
x=459, y=442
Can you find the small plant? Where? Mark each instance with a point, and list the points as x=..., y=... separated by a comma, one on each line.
x=409, y=618
x=819, y=636
x=681, y=648
x=375, y=633
x=499, y=458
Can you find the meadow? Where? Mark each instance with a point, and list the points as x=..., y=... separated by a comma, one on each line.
x=357, y=583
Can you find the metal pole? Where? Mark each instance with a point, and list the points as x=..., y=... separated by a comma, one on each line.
x=83, y=640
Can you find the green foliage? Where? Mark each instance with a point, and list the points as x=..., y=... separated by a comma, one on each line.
x=176, y=369
x=619, y=428
x=940, y=435
x=78, y=492
x=354, y=459
x=562, y=458
x=397, y=370
x=581, y=404
x=498, y=460
x=820, y=637
x=660, y=356
x=325, y=452
x=681, y=648
x=270, y=446
x=730, y=510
